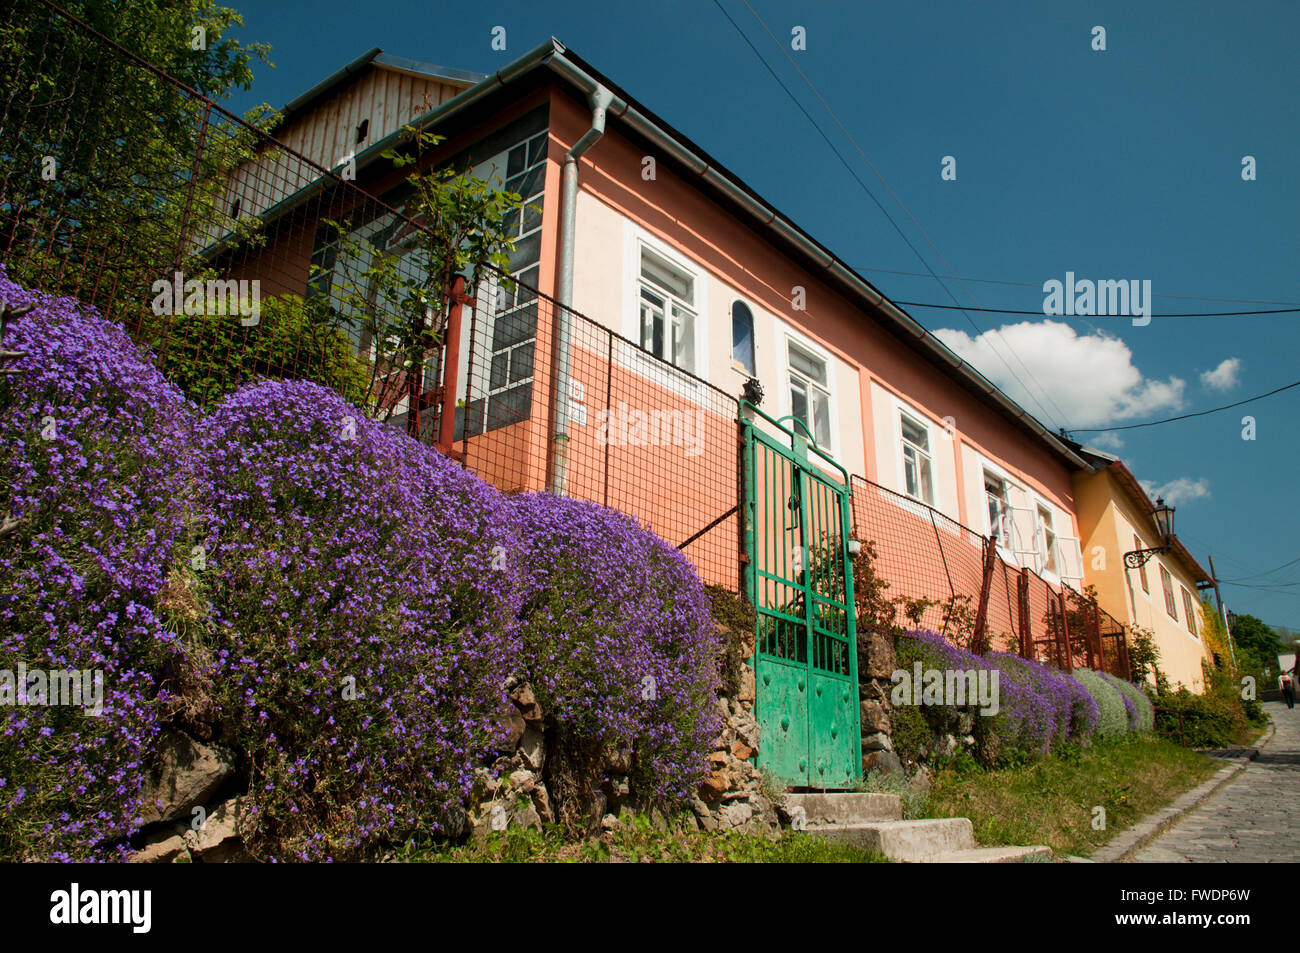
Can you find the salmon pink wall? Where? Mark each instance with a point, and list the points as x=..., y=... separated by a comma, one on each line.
x=740, y=259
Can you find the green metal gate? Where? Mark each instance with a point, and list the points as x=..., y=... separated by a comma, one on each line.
x=800, y=580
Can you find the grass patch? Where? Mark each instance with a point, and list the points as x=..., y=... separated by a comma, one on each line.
x=638, y=842
x=1051, y=801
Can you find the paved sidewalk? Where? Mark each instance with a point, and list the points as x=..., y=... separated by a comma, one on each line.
x=1252, y=819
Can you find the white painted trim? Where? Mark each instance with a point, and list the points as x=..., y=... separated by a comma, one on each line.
x=633, y=359
x=899, y=407
x=785, y=332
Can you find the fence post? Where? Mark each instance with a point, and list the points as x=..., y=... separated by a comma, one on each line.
x=981, y=615
x=199, y=146
x=450, y=372
x=1068, y=658
x=1023, y=615
x=1095, y=622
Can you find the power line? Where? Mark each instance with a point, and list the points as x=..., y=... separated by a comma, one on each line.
x=1267, y=572
x=870, y=194
x=1040, y=313
x=1030, y=284
x=1199, y=413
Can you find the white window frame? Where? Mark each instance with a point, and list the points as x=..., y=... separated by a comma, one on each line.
x=785, y=335
x=1006, y=540
x=633, y=358
x=903, y=444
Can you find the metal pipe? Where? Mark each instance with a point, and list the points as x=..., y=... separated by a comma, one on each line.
x=600, y=99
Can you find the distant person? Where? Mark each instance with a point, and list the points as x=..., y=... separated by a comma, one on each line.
x=1287, y=681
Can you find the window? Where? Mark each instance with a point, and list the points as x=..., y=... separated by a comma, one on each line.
x=1167, y=583
x=742, y=336
x=995, y=492
x=1189, y=611
x=918, y=479
x=810, y=399
x=1142, y=570
x=1046, y=539
x=667, y=311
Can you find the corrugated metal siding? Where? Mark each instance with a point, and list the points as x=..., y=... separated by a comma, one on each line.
x=327, y=134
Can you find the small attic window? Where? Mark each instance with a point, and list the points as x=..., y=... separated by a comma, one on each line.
x=363, y=130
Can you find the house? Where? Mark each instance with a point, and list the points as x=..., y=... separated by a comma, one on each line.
x=688, y=262
x=1116, y=516
x=677, y=348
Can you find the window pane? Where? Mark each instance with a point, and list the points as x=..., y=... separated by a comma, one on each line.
x=663, y=274
x=914, y=433
x=798, y=401
x=822, y=419
x=927, y=484
x=911, y=482
x=652, y=323
x=683, y=355
x=498, y=375
x=814, y=368
x=521, y=363
x=742, y=335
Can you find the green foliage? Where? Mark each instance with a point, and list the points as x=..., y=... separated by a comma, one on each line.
x=1114, y=716
x=1143, y=653
x=125, y=141
x=737, y=619
x=209, y=356
x=1141, y=703
x=1200, y=721
x=1052, y=800
x=636, y=840
x=1257, y=649
x=398, y=301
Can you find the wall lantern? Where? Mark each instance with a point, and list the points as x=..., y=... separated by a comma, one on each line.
x=1164, y=519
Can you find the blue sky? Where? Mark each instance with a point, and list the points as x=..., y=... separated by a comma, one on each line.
x=1117, y=164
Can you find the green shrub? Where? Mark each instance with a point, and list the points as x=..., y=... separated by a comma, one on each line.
x=1114, y=715
x=209, y=356
x=1146, y=718
x=1199, y=721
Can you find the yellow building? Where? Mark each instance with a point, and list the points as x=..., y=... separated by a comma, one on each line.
x=1116, y=517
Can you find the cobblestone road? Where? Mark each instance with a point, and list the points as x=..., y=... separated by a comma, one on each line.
x=1255, y=818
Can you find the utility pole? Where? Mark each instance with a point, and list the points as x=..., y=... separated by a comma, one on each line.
x=1223, y=614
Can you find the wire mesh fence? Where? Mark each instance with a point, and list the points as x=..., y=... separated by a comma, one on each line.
x=948, y=578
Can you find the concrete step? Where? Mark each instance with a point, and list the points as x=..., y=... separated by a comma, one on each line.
x=844, y=809
x=991, y=855
x=905, y=840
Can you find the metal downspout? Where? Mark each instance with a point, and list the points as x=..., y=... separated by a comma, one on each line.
x=600, y=99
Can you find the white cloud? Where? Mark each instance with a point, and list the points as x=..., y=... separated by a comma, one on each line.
x=1091, y=378
x=1181, y=490
x=1105, y=440
x=1223, y=377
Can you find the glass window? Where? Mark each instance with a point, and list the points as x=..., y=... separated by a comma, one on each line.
x=918, y=479
x=1189, y=612
x=742, y=336
x=1167, y=583
x=667, y=315
x=809, y=402
x=995, y=492
x=1047, y=540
